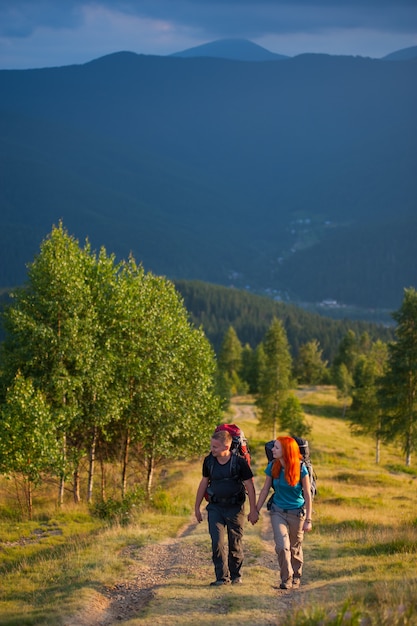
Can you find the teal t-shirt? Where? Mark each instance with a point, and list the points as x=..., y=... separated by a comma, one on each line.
x=285, y=496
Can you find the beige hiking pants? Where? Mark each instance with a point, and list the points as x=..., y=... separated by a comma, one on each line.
x=287, y=525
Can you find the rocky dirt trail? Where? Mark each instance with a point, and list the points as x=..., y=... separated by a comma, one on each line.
x=159, y=564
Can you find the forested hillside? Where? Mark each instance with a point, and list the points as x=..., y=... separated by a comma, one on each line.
x=216, y=308
x=296, y=175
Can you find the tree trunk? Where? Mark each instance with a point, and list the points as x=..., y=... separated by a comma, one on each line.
x=408, y=445
x=103, y=480
x=91, y=466
x=29, y=499
x=62, y=477
x=377, y=449
x=76, y=489
x=124, y=463
x=150, y=466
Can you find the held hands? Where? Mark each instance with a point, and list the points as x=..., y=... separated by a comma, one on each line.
x=253, y=517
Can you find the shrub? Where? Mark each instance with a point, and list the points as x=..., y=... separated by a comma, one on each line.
x=120, y=511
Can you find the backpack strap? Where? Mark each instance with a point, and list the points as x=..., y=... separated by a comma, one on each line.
x=234, y=471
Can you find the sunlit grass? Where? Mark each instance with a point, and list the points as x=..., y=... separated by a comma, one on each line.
x=359, y=560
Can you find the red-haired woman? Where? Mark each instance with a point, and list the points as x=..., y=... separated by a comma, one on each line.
x=290, y=509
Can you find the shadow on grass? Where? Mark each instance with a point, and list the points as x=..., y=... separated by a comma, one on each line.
x=334, y=411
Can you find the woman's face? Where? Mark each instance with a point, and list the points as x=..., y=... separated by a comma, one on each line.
x=277, y=450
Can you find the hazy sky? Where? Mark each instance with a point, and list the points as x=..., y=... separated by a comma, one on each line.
x=44, y=33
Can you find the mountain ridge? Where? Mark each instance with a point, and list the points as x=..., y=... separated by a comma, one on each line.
x=235, y=49
x=204, y=168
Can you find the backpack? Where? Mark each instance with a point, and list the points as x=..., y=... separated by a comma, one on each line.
x=305, y=453
x=239, y=441
x=239, y=447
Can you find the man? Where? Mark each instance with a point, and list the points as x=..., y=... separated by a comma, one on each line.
x=227, y=478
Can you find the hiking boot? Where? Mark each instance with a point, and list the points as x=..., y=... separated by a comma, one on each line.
x=218, y=583
x=237, y=581
x=285, y=585
x=296, y=582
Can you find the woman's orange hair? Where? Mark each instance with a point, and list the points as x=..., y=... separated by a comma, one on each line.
x=292, y=457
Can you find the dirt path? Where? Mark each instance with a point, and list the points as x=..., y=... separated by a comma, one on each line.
x=158, y=565
x=154, y=565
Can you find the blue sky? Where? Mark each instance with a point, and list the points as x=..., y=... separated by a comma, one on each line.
x=45, y=33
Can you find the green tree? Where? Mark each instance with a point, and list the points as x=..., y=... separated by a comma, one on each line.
x=28, y=441
x=292, y=418
x=49, y=330
x=230, y=363
x=310, y=367
x=350, y=348
x=167, y=368
x=366, y=415
x=101, y=400
x=249, y=369
x=344, y=383
x=275, y=376
x=398, y=394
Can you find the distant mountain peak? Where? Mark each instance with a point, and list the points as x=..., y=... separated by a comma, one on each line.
x=233, y=49
x=405, y=54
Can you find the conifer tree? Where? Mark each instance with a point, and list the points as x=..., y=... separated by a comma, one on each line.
x=365, y=414
x=275, y=376
x=398, y=394
x=293, y=419
x=230, y=363
x=310, y=367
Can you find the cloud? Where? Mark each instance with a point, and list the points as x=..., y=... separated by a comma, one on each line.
x=20, y=18
x=248, y=18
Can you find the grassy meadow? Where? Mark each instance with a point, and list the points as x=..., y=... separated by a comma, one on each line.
x=360, y=560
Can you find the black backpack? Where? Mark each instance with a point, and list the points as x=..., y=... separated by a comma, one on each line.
x=305, y=453
x=239, y=441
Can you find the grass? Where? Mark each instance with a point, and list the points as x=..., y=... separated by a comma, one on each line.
x=359, y=559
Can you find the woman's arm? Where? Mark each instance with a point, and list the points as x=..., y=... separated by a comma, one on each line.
x=307, y=526
x=253, y=512
x=264, y=492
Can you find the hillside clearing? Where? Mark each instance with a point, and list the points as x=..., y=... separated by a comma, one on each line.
x=359, y=559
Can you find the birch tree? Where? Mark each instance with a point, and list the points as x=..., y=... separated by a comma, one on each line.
x=28, y=442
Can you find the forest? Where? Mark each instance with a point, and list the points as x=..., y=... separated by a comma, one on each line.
x=215, y=308
x=103, y=363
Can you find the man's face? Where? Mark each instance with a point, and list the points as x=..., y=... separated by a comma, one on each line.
x=217, y=448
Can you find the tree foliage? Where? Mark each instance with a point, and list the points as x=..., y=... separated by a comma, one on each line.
x=230, y=363
x=310, y=368
x=105, y=353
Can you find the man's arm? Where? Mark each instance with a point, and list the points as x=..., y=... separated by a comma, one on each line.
x=250, y=489
x=201, y=490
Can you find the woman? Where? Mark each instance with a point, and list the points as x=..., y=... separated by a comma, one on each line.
x=290, y=509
